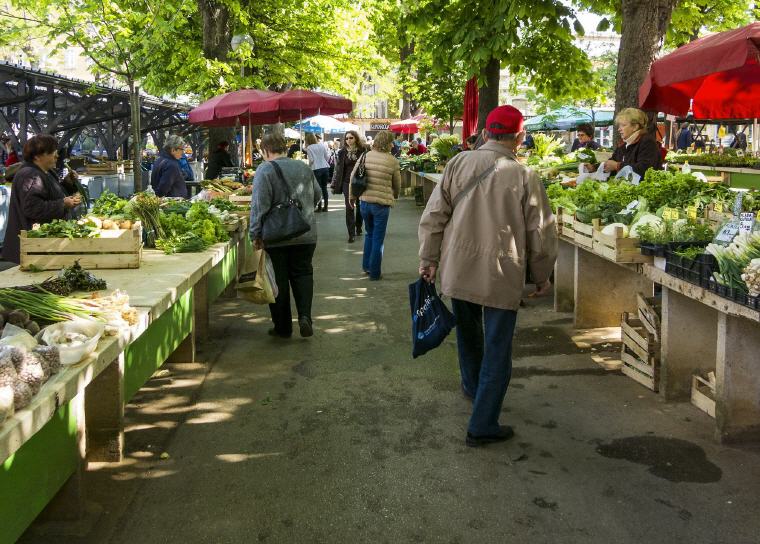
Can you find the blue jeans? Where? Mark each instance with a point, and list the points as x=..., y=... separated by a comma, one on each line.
x=375, y=222
x=485, y=360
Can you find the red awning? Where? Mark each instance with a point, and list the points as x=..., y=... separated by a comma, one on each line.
x=470, y=114
x=716, y=77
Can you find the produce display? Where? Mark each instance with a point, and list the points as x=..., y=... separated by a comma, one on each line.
x=60, y=228
x=200, y=227
x=735, y=262
x=23, y=372
x=221, y=185
x=728, y=158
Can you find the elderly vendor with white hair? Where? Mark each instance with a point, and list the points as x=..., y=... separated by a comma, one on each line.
x=167, y=178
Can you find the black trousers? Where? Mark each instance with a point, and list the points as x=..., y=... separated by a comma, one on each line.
x=353, y=215
x=292, y=268
x=323, y=178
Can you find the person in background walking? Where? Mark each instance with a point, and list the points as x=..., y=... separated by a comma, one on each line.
x=167, y=178
x=319, y=160
x=585, y=138
x=352, y=149
x=487, y=220
x=12, y=156
x=684, y=137
x=292, y=258
x=220, y=158
x=36, y=195
x=383, y=185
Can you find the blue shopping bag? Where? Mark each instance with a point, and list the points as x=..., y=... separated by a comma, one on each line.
x=431, y=319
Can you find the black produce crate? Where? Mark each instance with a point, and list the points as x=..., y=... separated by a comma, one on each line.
x=697, y=271
x=419, y=198
x=653, y=250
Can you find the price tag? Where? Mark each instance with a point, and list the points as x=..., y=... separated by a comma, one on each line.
x=670, y=214
x=632, y=205
x=691, y=212
x=727, y=233
x=718, y=208
x=747, y=222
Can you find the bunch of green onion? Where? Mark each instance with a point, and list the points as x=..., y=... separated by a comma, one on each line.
x=48, y=306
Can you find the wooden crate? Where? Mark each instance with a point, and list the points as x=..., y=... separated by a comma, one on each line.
x=640, y=353
x=565, y=223
x=584, y=234
x=703, y=394
x=650, y=314
x=618, y=248
x=239, y=200
x=715, y=219
x=113, y=249
x=101, y=169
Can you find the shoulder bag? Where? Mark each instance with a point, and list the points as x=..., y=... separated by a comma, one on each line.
x=359, y=179
x=285, y=220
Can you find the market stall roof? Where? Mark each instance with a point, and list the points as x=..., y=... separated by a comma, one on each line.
x=407, y=126
x=568, y=118
x=718, y=76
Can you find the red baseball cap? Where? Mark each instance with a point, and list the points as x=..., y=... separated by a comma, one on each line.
x=508, y=119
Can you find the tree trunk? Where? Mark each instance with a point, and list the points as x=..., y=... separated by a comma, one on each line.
x=643, y=28
x=134, y=111
x=217, y=37
x=406, y=97
x=488, y=94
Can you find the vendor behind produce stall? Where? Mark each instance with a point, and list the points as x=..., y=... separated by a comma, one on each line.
x=585, y=138
x=36, y=195
x=639, y=149
x=167, y=178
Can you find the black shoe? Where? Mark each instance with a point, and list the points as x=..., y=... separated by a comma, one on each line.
x=505, y=433
x=358, y=232
x=350, y=239
x=304, y=325
x=273, y=332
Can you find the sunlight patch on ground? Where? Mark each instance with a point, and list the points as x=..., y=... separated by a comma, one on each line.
x=335, y=331
x=331, y=316
x=240, y=457
x=210, y=417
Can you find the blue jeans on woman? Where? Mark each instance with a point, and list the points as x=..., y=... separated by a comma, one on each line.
x=375, y=222
x=485, y=360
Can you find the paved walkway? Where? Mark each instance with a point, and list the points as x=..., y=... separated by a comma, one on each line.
x=344, y=438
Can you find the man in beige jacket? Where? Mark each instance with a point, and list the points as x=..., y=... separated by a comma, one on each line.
x=486, y=221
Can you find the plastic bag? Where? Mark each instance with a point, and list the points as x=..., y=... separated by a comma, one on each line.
x=599, y=175
x=257, y=282
x=17, y=337
x=432, y=321
x=628, y=173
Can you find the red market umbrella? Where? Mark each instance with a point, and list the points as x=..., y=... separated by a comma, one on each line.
x=407, y=126
x=248, y=106
x=717, y=76
x=470, y=115
x=299, y=103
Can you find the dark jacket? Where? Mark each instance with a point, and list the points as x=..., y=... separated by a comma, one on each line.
x=641, y=155
x=685, y=139
x=36, y=197
x=216, y=161
x=187, y=171
x=343, y=167
x=167, y=178
x=591, y=144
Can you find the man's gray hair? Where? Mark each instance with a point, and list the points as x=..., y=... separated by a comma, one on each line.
x=173, y=142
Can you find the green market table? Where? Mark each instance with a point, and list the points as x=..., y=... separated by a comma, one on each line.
x=78, y=415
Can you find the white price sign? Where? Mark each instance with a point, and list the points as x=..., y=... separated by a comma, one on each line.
x=747, y=222
x=727, y=233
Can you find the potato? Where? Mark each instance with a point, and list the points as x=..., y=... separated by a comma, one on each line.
x=126, y=224
x=107, y=224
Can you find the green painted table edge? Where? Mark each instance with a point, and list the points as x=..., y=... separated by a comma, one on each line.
x=32, y=476
x=153, y=347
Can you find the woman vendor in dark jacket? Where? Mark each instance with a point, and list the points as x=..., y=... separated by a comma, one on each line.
x=353, y=147
x=639, y=149
x=167, y=178
x=36, y=194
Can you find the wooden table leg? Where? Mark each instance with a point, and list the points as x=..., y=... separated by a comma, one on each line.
x=104, y=413
x=564, y=277
x=737, y=406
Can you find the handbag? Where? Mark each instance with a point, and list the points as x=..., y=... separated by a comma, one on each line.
x=432, y=321
x=285, y=220
x=359, y=179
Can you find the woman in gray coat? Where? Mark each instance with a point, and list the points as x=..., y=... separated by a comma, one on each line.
x=292, y=258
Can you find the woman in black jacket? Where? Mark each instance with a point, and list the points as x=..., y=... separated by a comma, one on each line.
x=36, y=195
x=639, y=149
x=352, y=148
